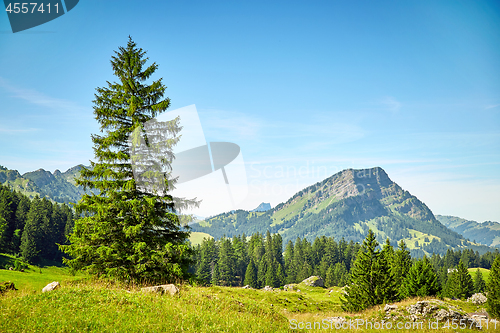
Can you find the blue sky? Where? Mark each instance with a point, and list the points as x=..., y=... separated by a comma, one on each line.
x=410, y=86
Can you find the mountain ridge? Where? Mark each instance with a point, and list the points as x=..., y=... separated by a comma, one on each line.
x=346, y=205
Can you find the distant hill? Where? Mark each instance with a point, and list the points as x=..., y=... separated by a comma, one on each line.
x=346, y=205
x=59, y=186
x=262, y=207
x=487, y=233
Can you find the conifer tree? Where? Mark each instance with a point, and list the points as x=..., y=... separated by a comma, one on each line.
x=215, y=275
x=421, y=279
x=360, y=291
x=479, y=284
x=400, y=268
x=226, y=263
x=251, y=275
x=330, y=277
x=464, y=286
x=130, y=230
x=493, y=288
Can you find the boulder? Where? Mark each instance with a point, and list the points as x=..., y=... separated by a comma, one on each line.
x=267, y=288
x=162, y=289
x=478, y=298
x=314, y=281
x=288, y=287
x=388, y=307
x=247, y=287
x=51, y=286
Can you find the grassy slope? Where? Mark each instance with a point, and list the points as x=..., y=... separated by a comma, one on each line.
x=197, y=237
x=485, y=272
x=34, y=278
x=90, y=306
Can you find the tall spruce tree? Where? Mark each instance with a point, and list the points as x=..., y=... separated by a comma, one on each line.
x=129, y=230
x=493, y=288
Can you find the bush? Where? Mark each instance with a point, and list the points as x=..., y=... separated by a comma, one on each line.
x=19, y=265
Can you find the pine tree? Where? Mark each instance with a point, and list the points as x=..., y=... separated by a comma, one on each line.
x=330, y=277
x=32, y=235
x=360, y=291
x=386, y=288
x=226, y=263
x=130, y=230
x=421, y=279
x=251, y=275
x=460, y=284
x=479, y=284
x=493, y=288
x=215, y=275
x=400, y=268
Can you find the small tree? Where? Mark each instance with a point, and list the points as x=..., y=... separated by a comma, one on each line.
x=479, y=284
x=421, y=279
x=251, y=275
x=460, y=284
x=493, y=288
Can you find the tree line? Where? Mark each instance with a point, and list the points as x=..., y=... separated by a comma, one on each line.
x=31, y=229
x=259, y=261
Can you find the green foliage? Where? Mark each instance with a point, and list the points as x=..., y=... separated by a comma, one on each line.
x=493, y=289
x=479, y=284
x=400, y=267
x=421, y=280
x=460, y=284
x=251, y=275
x=129, y=230
x=368, y=278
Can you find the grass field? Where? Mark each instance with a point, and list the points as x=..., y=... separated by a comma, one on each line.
x=84, y=305
x=197, y=237
x=485, y=272
x=35, y=278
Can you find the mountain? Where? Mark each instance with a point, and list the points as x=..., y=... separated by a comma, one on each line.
x=346, y=205
x=262, y=207
x=58, y=187
x=487, y=233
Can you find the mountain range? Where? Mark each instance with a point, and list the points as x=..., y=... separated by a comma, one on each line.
x=58, y=186
x=346, y=205
x=487, y=233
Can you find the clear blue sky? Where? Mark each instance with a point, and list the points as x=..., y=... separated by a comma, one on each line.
x=410, y=86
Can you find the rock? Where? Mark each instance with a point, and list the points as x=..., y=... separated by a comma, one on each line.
x=11, y=269
x=267, y=288
x=478, y=298
x=288, y=287
x=314, y=281
x=162, y=289
x=51, y=286
x=247, y=287
x=388, y=307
